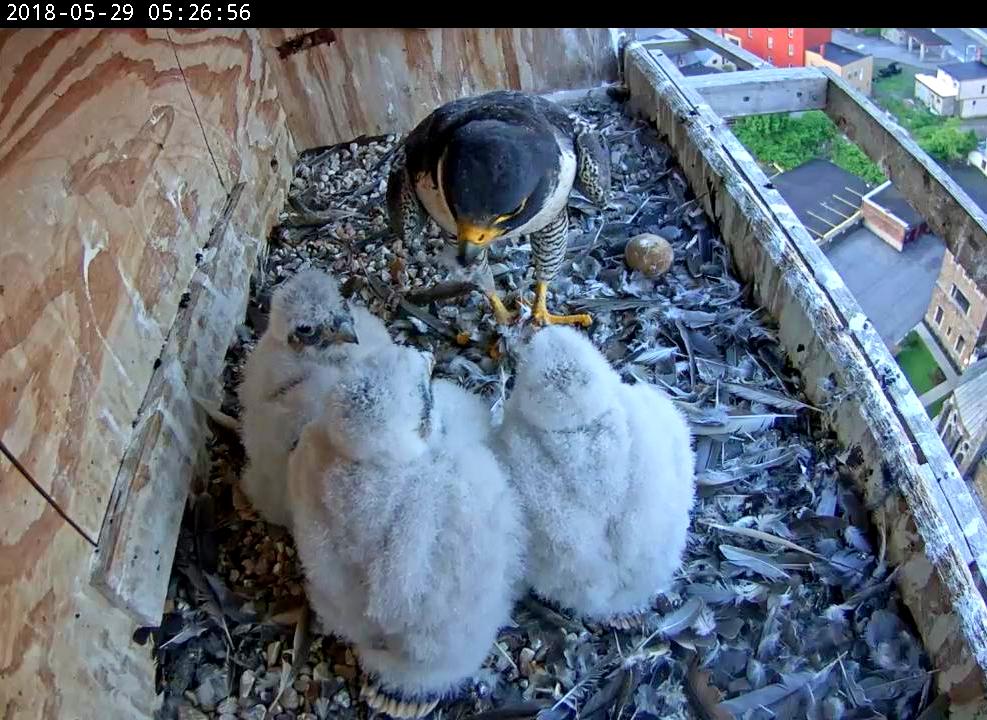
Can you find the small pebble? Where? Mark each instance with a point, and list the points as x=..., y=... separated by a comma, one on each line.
x=229, y=706
x=524, y=661
x=290, y=699
x=257, y=712
x=321, y=672
x=342, y=698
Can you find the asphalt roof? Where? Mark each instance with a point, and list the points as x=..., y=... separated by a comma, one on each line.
x=893, y=288
x=972, y=70
x=839, y=54
x=926, y=36
x=971, y=402
x=822, y=194
x=697, y=68
x=894, y=202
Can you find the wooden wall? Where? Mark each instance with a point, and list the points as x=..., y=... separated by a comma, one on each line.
x=140, y=171
x=118, y=153
x=384, y=80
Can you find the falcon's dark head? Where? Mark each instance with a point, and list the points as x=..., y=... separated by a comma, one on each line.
x=496, y=176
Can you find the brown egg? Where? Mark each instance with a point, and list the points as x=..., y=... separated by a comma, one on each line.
x=650, y=254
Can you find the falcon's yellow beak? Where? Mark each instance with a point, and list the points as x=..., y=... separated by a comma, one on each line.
x=472, y=240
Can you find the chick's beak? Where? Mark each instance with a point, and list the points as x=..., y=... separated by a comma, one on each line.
x=346, y=333
x=473, y=239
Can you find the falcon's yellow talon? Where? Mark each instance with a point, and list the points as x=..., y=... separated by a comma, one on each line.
x=462, y=338
x=541, y=316
x=494, y=351
x=501, y=313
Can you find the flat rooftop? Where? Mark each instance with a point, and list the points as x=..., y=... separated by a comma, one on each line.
x=822, y=194
x=973, y=70
x=894, y=202
x=893, y=288
x=838, y=54
x=926, y=36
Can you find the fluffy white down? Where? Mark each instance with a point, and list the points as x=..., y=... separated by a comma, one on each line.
x=271, y=420
x=564, y=381
x=459, y=414
x=411, y=548
x=606, y=493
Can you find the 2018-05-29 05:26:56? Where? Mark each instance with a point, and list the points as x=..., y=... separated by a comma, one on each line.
x=125, y=11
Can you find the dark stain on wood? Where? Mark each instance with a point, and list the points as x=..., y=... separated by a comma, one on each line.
x=322, y=36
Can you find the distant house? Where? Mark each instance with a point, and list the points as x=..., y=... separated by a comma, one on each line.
x=927, y=41
x=888, y=215
x=855, y=67
x=978, y=157
x=957, y=314
x=957, y=89
x=782, y=47
x=962, y=425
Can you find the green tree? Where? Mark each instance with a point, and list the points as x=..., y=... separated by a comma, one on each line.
x=852, y=159
x=784, y=140
x=947, y=143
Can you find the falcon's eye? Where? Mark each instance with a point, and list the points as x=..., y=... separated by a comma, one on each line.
x=304, y=330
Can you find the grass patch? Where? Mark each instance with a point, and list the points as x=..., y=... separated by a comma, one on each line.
x=919, y=366
x=788, y=141
x=896, y=87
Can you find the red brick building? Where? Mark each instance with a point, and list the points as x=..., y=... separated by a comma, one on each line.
x=782, y=47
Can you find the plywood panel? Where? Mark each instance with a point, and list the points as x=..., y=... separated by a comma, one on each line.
x=235, y=96
x=64, y=652
x=381, y=80
x=107, y=191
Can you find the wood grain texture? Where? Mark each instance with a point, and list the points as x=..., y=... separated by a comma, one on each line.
x=107, y=190
x=827, y=337
x=64, y=652
x=383, y=80
x=235, y=97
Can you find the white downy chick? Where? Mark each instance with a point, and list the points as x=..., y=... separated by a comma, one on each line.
x=411, y=543
x=312, y=331
x=605, y=474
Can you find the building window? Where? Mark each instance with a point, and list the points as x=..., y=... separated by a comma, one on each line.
x=771, y=58
x=983, y=89
x=771, y=43
x=961, y=300
x=791, y=50
x=791, y=32
x=938, y=315
x=960, y=342
x=750, y=33
x=949, y=331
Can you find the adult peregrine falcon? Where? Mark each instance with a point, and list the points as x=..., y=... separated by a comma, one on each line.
x=498, y=166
